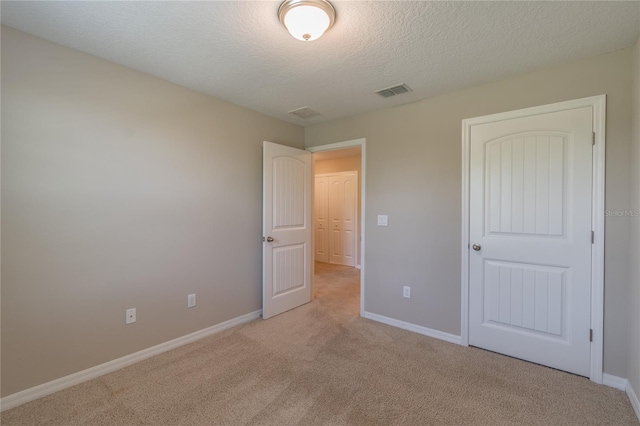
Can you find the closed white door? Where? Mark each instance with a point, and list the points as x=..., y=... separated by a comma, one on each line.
x=286, y=263
x=530, y=232
x=321, y=205
x=343, y=193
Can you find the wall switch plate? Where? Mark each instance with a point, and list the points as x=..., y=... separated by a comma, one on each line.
x=191, y=300
x=131, y=316
x=406, y=292
x=383, y=220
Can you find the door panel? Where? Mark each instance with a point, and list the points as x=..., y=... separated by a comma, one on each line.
x=321, y=205
x=336, y=239
x=528, y=297
x=288, y=268
x=525, y=184
x=349, y=218
x=343, y=193
x=286, y=276
x=530, y=213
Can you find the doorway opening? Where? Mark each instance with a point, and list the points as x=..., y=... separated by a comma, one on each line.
x=338, y=216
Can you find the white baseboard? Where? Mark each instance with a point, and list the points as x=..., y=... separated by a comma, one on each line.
x=44, y=389
x=436, y=334
x=623, y=385
x=616, y=382
x=633, y=397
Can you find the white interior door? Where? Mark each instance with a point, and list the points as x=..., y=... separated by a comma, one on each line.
x=286, y=263
x=343, y=211
x=530, y=232
x=321, y=206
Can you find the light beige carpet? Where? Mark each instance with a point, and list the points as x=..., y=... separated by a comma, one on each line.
x=321, y=364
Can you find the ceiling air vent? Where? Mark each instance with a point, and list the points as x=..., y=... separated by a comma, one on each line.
x=392, y=91
x=304, y=113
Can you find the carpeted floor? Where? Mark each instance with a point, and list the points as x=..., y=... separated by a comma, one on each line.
x=321, y=364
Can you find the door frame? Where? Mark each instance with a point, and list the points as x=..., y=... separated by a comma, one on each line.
x=598, y=104
x=362, y=143
x=357, y=219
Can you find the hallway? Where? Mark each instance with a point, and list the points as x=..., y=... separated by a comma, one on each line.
x=337, y=287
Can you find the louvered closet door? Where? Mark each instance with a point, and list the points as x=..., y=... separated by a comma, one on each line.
x=530, y=217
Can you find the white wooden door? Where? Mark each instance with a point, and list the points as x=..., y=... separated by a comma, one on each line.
x=530, y=223
x=286, y=263
x=321, y=206
x=343, y=193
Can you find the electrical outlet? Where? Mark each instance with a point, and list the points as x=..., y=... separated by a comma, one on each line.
x=191, y=300
x=130, y=316
x=406, y=292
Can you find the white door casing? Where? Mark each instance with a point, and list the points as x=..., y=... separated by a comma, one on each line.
x=321, y=223
x=530, y=182
x=286, y=265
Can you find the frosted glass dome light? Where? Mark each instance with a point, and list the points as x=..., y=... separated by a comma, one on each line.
x=307, y=20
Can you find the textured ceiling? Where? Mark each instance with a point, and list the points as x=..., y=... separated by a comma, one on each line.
x=239, y=52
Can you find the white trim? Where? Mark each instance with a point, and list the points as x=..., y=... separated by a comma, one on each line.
x=633, y=397
x=466, y=203
x=598, y=103
x=337, y=145
x=615, y=382
x=313, y=234
x=623, y=384
x=44, y=389
x=362, y=143
x=336, y=173
x=597, y=249
x=436, y=334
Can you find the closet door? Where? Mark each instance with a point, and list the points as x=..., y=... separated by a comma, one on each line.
x=343, y=192
x=531, y=236
x=321, y=226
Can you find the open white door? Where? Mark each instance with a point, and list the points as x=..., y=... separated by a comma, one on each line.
x=286, y=225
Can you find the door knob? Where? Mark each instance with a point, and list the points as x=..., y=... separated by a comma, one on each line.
x=270, y=239
x=476, y=247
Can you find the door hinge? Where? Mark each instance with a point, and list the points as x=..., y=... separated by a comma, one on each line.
x=593, y=138
x=591, y=335
x=593, y=237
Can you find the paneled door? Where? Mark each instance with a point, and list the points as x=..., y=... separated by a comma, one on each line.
x=530, y=237
x=286, y=263
x=343, y=205
x=321, y=206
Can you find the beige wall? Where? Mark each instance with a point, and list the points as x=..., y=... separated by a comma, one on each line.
x=633, y=371
x=120, y=190
x=345, y=164
x=336, y=165
x=414, y=176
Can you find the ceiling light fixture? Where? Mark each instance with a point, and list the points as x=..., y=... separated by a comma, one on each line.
x=307, y=20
